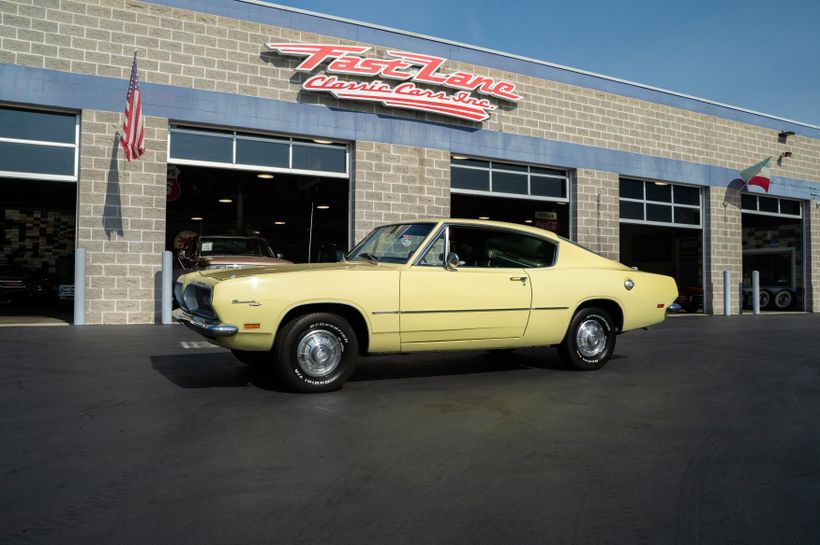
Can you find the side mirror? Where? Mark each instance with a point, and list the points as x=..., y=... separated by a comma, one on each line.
x=452, y=262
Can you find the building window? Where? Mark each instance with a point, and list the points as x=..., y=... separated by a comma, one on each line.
x=242, y=151
x=770, y=206
x=476, y=176
x=659, y=203
x=39, y=145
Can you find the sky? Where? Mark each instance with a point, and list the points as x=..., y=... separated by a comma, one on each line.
x=761, y=56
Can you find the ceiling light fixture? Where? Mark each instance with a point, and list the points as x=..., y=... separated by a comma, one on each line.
x=527, y=221
x=265, y=176
x=460, y=157
x=483, y=217
x=279, y=223
x=226, y=200
x=661, y=183
x=196, y=218
x=322, y=206
x=320, y=141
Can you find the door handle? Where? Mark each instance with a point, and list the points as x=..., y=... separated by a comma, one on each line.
x=518, y=278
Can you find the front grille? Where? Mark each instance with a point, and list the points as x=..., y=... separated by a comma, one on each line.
x=197, y=299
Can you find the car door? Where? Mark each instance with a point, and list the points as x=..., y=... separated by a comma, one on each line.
x=482, y=298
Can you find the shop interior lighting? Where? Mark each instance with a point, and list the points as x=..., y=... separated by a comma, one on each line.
x=785, y=134
x=196, y=218
x=661, y=183
x=279, y=223
x=460, y=157
x=483, y=217
x=226, y=201
x=527, y=221
x=265, y=176
x=322, y=206
x=320, y=141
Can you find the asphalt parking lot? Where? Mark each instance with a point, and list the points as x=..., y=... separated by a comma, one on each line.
x=701, y=430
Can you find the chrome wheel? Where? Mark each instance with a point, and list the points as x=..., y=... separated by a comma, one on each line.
x=591, y=338
x=319, y=353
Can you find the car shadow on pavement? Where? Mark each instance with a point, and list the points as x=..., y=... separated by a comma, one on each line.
x=222, y=370
x=212, y=370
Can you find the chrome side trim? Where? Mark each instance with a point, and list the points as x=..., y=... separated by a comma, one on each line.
x=550, y=308
x=463, y=310
x=378, y=312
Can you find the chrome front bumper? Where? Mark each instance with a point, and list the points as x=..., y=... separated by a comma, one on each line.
x=207, y=328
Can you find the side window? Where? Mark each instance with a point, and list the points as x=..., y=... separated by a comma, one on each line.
x=434, y=257
x=478, y=247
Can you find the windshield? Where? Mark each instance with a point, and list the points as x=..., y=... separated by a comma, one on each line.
x=234, y=246
x=392, y=243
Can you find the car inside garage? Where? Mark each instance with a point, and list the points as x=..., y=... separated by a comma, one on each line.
x=661, y=232
x=292, y=193
x=773, y=245
x=38, y=175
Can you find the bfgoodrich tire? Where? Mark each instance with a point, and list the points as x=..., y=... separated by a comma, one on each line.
x=590, y=340
x=316, y=352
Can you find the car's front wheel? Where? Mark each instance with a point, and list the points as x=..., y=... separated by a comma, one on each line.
x=590, y=340
x=316, y=352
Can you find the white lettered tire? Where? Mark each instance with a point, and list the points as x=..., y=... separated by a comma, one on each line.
x=590, y=340
x=316, y=352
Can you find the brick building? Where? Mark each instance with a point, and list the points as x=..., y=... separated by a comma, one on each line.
x=240, y=138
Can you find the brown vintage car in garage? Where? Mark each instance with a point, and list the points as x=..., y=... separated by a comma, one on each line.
x=227, y=252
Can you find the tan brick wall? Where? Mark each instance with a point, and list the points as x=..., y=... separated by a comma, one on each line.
x=723, y=248
x=596, y=211
x=812, y=220
x=202, y=51
x=121, y=219
x=397, y=183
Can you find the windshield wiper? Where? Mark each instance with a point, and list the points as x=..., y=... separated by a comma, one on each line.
x=370, y=257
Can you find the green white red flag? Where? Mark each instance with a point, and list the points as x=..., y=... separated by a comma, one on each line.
x=758, y=174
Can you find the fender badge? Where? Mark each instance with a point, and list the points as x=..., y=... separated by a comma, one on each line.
x=251, y=303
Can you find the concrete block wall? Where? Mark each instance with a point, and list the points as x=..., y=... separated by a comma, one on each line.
x=596, y=211
x=812, y=229
x=189, y=49
x=397, y=183
x=723, y=242
x=121, y=219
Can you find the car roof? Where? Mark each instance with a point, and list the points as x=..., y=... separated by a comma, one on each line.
x=487, y=223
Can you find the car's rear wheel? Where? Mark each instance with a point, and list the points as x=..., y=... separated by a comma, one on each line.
x=316, y=352
x=783, y=299
x=253, y=359
x=590, y=340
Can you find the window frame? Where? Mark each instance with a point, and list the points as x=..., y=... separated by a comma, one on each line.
x=671, y=204
x=236, y=135
x=778, y=214
x=528, y=173
x=45, y=143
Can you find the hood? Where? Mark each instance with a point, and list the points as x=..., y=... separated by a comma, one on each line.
x=226, y=274
x=242, y=260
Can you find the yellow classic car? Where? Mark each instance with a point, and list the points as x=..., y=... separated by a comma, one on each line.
x=439, y=284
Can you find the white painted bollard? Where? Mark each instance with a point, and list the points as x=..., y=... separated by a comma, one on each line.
x=755, y=292
x=167, y=286
x=79, y=286
x=727, y=294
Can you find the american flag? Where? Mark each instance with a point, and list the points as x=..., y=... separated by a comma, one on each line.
x=132, y=138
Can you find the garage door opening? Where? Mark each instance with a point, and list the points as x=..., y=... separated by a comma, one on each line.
x=773, y=246
x=227, y=190
x=660, y=232
x=531, y=195
x=38, y=174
